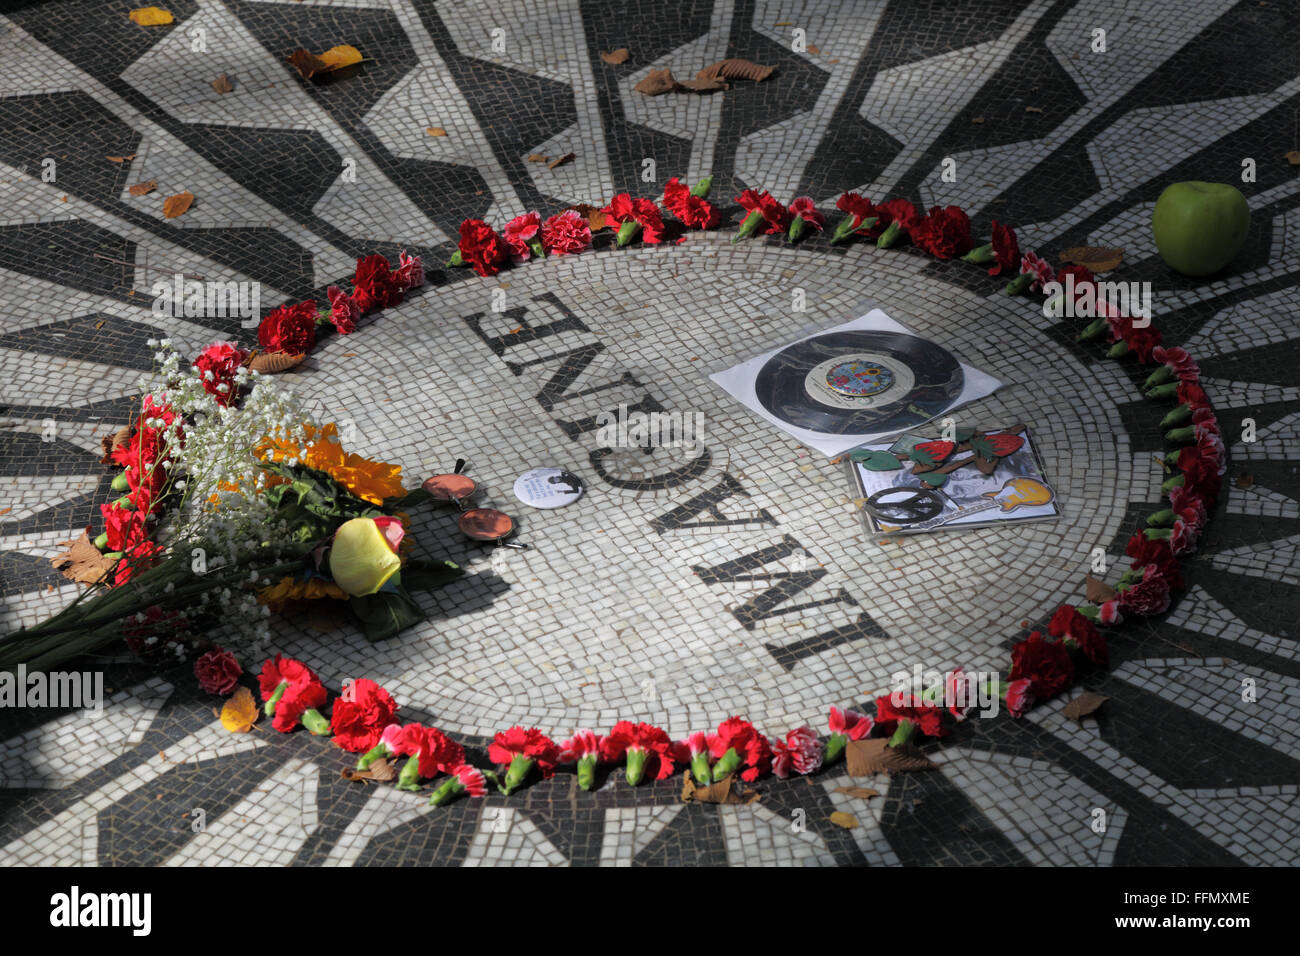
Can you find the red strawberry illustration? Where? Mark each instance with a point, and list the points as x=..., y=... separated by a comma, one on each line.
x=931, y=453
x=1004, y=444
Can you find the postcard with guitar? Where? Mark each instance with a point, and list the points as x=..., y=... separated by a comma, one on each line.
x=966, y=479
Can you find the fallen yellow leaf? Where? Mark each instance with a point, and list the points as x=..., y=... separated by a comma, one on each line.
x=240, y=712
x=151, y=16
x=174, y=206
x=335, y=58
x=846, y=820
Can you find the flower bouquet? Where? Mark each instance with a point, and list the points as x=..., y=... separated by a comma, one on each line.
x=235, y=505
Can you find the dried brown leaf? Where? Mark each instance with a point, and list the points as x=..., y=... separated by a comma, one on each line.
x=120, y=159
x=615, y=57
x=144, y=188
x=1292, y=157
x=1083, y=705
x=174, y=206
x=1245, y=480
x=268, y=363
x=595, y=217
x=814, y=50
x=977, y=119
x=435, y=131
x=862, y=793
x=82, y=562
x=111, y=443
x=307, y=64
x=874, y=755
x=846, y=820
x=736, y=70
x=707, y=85
x=1097, y=591
x=1095, y=258
x=222, y=84
x=1033, y=109
x=380, y=770
x=656, y=83
x=561, y=160
x=538, y=158
x=861, y=757
x=720, y=792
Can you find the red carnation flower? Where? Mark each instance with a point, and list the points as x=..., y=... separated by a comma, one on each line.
x=805, y=213
x=374, y=284
x=694, y=750
x=737, y=744
x=1179, y=362
x=583, y=748
x=846, y=725
x=695, y=212
x=139, y=557
x=640, y=744
x=944, y=233
x=521, y=235
x=565, y=233
x=481, y=248
x=290, y=329
x=410, y=271
x=430, y=751
x=632, y=215
x=1189, y=506
x=361, y=714
x=292, y=692
x=344, y=310
x=800, y=752
x=1019, y=697
x=218, y=671
x=762, y=208
x=125, y=528
x=521, y=749
x=1108, y=613
x=1068, y=623
x=1147, y=596
x=1006, y=249
x=1154, y=552
x=925, y=716
x=857, y=209
x=1046, y=663
x=217, y=365
x=464, y=779
x=1040, y=269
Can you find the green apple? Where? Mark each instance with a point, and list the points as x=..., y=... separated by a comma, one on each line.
x=1199, y=227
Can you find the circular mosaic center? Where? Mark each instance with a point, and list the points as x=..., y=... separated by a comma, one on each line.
x=725, y=574
x=858, y=378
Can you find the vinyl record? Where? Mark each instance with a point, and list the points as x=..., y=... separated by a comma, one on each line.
x=859, y=382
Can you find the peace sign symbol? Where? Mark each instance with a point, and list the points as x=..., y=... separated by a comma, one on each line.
x=903, y=505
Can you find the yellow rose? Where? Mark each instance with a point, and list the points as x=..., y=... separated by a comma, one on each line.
x=364, y=555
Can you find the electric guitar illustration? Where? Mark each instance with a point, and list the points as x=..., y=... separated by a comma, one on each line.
x=1014, y=493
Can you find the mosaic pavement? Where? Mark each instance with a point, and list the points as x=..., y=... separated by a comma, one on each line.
x=652, y=599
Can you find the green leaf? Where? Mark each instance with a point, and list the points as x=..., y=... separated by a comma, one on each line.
x=934, y=479
x=963, y=434
x=875, y=460
x=385, y=615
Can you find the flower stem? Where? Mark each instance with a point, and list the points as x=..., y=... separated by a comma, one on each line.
x=315, y=721
x=269, y=707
